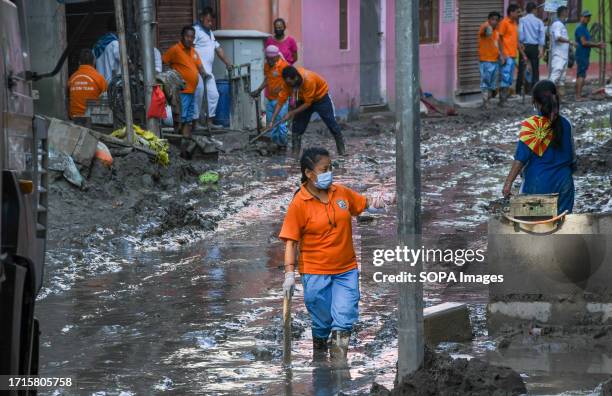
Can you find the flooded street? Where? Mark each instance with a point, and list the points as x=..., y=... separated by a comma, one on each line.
x=187, y=300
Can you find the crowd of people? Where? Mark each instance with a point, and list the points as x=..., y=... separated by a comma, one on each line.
x=503, y=40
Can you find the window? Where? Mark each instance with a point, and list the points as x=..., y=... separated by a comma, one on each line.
x=574, y=7
x=343, y=24
x=429, y=18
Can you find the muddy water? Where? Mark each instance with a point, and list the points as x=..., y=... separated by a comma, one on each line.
x=198, y=311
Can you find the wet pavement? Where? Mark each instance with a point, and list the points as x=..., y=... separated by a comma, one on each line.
x=196, y=309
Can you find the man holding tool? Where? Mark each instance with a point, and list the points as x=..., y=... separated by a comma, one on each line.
x=273, y=84
x=312, y=95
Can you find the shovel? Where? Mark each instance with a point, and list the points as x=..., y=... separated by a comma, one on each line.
x=287, y=330
x=277, y=123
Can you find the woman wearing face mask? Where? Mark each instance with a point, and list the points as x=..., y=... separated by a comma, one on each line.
x=286, y=44
x=319, y=221
x=545, y=151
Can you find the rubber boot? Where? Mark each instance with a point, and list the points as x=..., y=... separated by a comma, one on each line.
x=296, y=146
x=340, y=145
x=486, y=96
x=503, y=96
x=185, y=149
x=319, y=349
x=339, y=348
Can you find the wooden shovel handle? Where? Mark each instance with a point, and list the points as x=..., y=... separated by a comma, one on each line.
x=287, y=330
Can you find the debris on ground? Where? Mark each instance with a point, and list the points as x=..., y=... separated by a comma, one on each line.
x=443, y=375
x=148, y=140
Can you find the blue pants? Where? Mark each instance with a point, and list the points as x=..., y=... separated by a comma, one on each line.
x=278, y=134
x=187, y=107
x=488, y=76
x=332, y=301
x=507, y=73
x=325, y=109
x=583, y=66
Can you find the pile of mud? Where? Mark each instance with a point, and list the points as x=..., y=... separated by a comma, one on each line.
x=443, y=375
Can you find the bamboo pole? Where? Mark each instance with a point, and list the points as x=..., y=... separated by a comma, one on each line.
x=125, y=73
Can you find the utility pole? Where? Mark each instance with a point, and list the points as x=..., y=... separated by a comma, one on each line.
x=125, y=72
x=408, y=181
x=148, y=61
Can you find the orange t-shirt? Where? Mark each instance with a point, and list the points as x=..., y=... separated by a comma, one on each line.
x=274, y=78
x=488, y=46
x=186, y=62
x=313, y=88
x=84, y=84
x=509, y=36
x=324, y=248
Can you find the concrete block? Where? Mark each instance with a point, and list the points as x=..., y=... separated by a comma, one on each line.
x=72, y=139
x=449, y=321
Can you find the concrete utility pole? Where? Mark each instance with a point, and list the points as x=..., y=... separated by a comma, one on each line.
x=408, y=180
x=148, y=58
x=125, y=72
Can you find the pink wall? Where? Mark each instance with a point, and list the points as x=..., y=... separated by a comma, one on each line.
x=438, y=62
x=321, y=49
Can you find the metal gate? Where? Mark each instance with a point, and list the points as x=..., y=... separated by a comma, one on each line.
x=369, y=46
x=472, y=13
x=172, y=15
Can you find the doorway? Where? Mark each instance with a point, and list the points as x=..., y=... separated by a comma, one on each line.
x=369, y=49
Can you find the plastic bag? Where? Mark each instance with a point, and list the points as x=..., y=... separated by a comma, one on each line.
x=157, y=109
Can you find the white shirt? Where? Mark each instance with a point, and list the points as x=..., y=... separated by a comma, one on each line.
x=559, y=49
x=158, y=60
x=109, y=62
x=206, y=46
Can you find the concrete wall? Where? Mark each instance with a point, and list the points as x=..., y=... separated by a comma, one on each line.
x=553, y=276
x=438, y=61
x=322, y=53
x=47, y=36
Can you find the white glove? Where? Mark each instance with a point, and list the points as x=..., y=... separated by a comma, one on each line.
x=289, y=283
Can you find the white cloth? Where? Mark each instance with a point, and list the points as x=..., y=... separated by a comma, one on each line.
x=109, y=63
x=205, y=45
x=558, y=70
x=213, y=97
x=558, y=49
x=158, y=60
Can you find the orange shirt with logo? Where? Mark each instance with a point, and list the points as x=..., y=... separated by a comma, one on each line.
x=186, y=62
x=488, y=46
x=509, y=37
x=324, y=231
x=84, y=84
x=313, y=88
x=274, y=78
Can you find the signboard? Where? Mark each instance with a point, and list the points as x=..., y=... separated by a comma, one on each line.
x=448, y=14
x=552, y=5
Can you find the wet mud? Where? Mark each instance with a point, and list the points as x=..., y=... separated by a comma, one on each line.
x=157, y=283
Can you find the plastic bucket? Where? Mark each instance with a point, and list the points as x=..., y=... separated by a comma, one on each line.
x=225, y=103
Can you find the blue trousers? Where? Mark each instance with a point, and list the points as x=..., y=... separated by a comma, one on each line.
x=278, y=134
x=507, y=73
x=332, y=301
x=325, y=109
x=488, y=76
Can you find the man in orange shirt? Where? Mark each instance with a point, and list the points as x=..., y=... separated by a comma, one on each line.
x=84, y=84
x=509, y=42
x=183, y=58
x=318, y=221
x=273, y=83
x=312, y=97
x=489, y=54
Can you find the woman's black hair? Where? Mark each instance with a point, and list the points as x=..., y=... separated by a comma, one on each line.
x=280, y=20
x=309, y=160
x=545, y=94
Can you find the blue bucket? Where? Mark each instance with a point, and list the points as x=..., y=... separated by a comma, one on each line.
x=225, y=103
